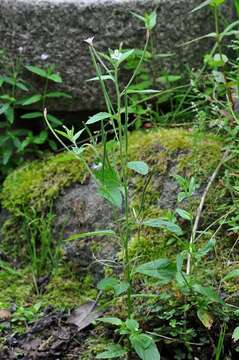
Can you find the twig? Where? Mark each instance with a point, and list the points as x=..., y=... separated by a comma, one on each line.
x=200, y=209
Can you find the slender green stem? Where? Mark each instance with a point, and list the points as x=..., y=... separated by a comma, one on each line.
x=123, y=144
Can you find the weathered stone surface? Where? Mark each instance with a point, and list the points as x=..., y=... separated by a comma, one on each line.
x=58, y=27
x=81, y=209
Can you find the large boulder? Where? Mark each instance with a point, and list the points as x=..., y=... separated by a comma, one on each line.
x=55, y=29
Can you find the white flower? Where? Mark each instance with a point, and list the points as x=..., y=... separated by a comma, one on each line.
x=89, y=40
x=96, y=166
x=44, y=56
x=20, y=50
x=116, y=55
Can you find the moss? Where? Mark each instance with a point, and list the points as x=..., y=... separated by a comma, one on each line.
x=15, y=289
x=38, y=183
x=66, y=290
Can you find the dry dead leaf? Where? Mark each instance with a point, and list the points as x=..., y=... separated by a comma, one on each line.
x=84, y=315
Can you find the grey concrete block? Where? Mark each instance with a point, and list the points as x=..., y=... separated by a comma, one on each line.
x=58, y=27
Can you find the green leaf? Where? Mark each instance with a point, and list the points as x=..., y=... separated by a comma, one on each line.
x=6, y=156
x=151, y=20
x=179, y=262
x=41, y=138
x=98, y=117
x=58, y=94
x=140, y=17
x=91, y=234
x=44, y=74
x=121, y=287
x=78, y=134
x=162, y=269
x=21, y=86
x=4, y=108
x=164, y=224
x=111, y=320
x=107, y=283
x=113, y=195
x=111, y=283
x=54, y=120
x=210, y=295
x=206, y=249
x=218, y=60
x=132, y=325
x=110, y=188
x=205, y=318
x=138, y=166
x=119, y=56
x=216, y=3
x=236, y=3
x=10, y=115
x=184, y=214
x=113, y=351
x=202, y=5
x=32, y=115
x=232, y=274
x=145, y=347
x=168, y=79
x=103, y=77
x=37, y=70
x=235, y=335
x=55, y=77
x=30, y=100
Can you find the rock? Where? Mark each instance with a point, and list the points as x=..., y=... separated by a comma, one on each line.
x=78, y=208
x=52, y=32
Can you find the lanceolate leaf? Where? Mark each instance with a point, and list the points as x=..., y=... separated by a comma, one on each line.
x=57, y=94
x=184, y=214
x=164, y=224
x=232, y=274
x=205, y=318
x=111, y=320
x=202, y=5
x=44, y=74
x=36, y=70
x=55, y=77
x=139, y=166
x=145, y=347
x=91, y=234
x=208, y=293
x=30, y=100
x=98, y=117
x=235, y=334
x=32, y=115
x=103, y=77
x=107, y=283
x=162, y=269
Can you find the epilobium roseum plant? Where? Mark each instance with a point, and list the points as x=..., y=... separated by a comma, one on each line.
x=113, y=181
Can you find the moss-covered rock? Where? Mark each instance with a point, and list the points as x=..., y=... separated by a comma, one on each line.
x=57, y=181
